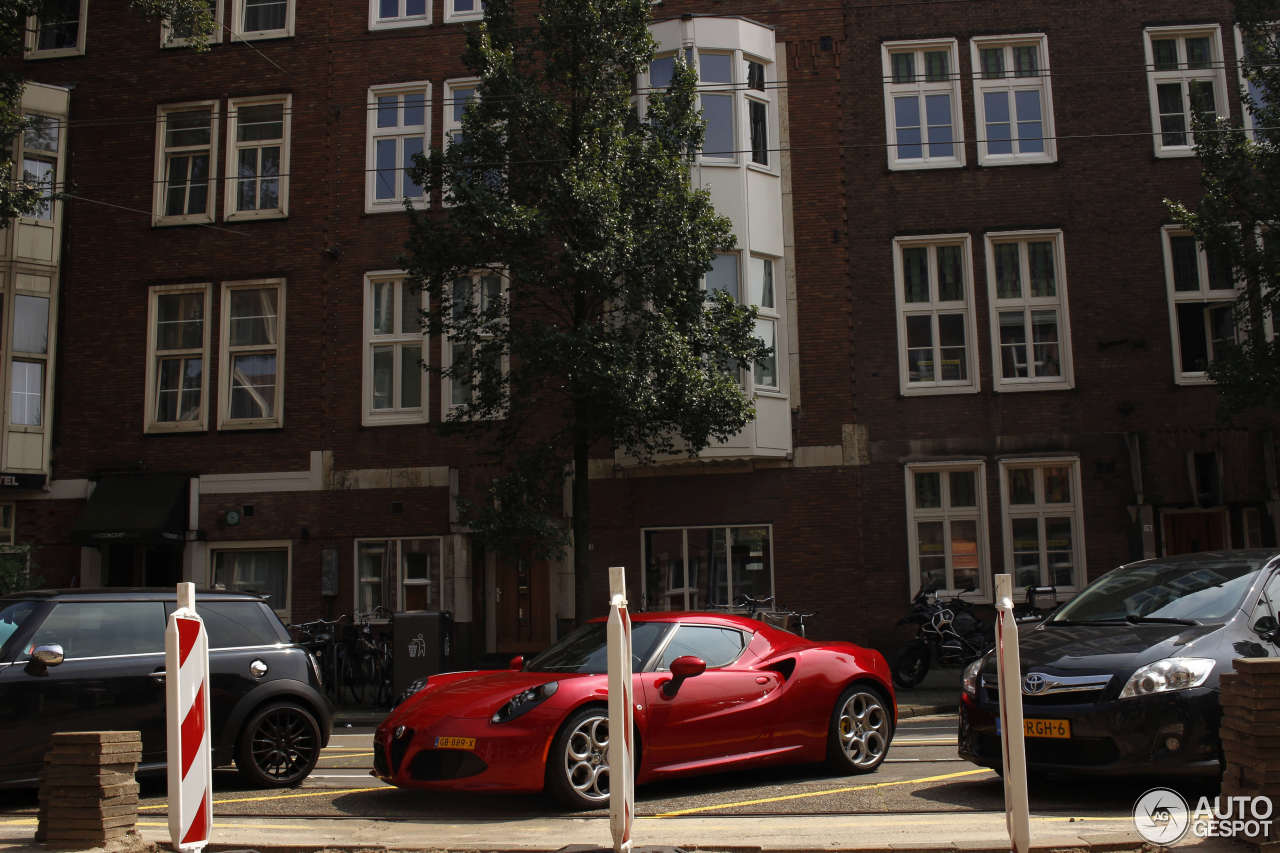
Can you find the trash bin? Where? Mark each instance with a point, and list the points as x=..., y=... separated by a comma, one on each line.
x=421, y=644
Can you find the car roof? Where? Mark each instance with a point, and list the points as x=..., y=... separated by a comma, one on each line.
x=125, y=594
x=1257, y=557
x=705, y=617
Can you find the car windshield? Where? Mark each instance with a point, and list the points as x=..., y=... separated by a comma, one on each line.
x=1206, y=590
x=585, y=649
x=12, y=615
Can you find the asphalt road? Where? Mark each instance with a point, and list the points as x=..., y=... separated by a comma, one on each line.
x=921, y=775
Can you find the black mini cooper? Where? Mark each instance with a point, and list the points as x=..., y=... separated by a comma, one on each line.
x=1124, y=678
x=77, y=660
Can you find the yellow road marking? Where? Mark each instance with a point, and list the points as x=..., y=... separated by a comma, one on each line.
x=825, y=793
x=339, y=757
x=21, y=821
x=343, y=749
x=322, y=793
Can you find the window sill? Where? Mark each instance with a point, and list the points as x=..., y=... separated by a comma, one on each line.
x=60, y=53
x=988, y=161
x=910, y=166
x=398, y=25
x=940, y=390
x=1015, y=387
x=1174, y=153
x=262, y=36
x=374, y=420
x=172, y=221
x=230, y=426
x=764, y=170
x=166, y=429
x=254, y=216
x=393, y=207
x=462, y=19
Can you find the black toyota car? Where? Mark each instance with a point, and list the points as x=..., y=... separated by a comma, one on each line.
x=77, y=660
x=1123, y=679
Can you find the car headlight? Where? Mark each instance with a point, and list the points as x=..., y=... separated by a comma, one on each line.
x=1166, y=675
x=971, y=678
x=525, y=700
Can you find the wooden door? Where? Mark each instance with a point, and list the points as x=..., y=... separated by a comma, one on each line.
x=1189, y=532
x=522, y=598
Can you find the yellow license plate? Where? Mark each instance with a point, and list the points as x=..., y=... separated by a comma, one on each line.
x=455, y=743
x=1047, y=728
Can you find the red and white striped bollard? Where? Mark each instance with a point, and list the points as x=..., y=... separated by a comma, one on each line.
x=622, y=750
x=190, y=764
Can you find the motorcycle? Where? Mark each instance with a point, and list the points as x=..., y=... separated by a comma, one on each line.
x=949, y=634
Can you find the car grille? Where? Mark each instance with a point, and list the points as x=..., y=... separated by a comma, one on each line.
x=436, y=764
x=1076, y=751
x=992, y=695
x=380, y=760
x=398, y=747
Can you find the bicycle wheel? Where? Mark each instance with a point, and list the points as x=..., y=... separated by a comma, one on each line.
x=353, y=678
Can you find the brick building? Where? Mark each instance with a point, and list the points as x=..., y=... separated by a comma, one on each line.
x=990, y=340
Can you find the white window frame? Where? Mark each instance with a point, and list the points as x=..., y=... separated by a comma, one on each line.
x=920, y=88
x=238, y=32
x=1249, y=120
x=1028, y=303
x=1040, y=510
x=686, y=590
x=385, y=417
x=971, y=385
x=32, y=41
x=150, y=422
x=765, y=97
x=167, y=38
x=1040, y=82
x=230, y=183
x=445, y=593
x=225, y=353
x=770, y=316
x=448, y=124
x=47, y=213
x=453, y=17
x=158, y=216
x=1215, y=74
x=377, y=22
x=947, y=514
x=43, y=359
x=260, y=545
x=1205, y=295
x=399, y=133
x=447, y=406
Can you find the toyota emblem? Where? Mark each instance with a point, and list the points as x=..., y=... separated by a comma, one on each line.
x=1034, y=683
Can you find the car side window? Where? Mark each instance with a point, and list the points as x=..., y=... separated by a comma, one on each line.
x=717, y=646
x=99, y=628
x=233, y=624
x=1269, y=601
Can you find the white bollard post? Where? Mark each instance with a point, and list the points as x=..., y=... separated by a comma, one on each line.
x=1012, y=738
x=189, y=760
x=622, y=750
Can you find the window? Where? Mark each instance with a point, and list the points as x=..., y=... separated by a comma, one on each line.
x=946, y=526
x=457, y=94
x=1030, y=336
x=186, y=163
x=398, y=125
x=469, y=372
x=1202, y=295
x=239, y=624
x=6, y=523
x=260, y=568
x=29, y=362
x=1043, y=522
x=258, y=158
x=178, y=355
x=41, y=142
x=395, y=376
x=716, y=646
x=401, y=574
x=261, y=19
x=727, y=98
x=390, y=14
x=93, y=629
x=693, y=568
x=463, y=10
x=1185, y=75
x=758, y=110
x=251, y=361
x=171, y=36
x=1252, y=55
x=60, y=32
x=1013, y=100
x=922, y=104
x=936, y=327
x=761, y=293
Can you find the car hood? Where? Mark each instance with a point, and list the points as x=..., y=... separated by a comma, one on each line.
x=480, y=694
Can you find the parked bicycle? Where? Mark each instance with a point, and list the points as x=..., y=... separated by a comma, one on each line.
x=320, y=637
x=367, y=671
x=763, y=610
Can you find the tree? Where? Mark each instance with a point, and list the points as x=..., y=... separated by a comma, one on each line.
x=1236, y=218
x=18, y=193
x=566, y=270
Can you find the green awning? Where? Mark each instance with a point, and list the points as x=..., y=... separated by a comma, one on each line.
x=150, y=509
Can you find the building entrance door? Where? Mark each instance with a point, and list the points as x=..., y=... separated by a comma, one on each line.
x=522, y=605
x=1189, y=532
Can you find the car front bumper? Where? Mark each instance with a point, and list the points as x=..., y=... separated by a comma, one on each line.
x=1173, y=734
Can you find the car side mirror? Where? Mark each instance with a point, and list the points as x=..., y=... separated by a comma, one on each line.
x=1266, y=628
x=517, y=663
x=685, y=666
x=43, y=657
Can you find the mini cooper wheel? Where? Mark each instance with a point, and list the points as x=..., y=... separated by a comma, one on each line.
x=861, y=728
x=578, y=763
x=278, y=746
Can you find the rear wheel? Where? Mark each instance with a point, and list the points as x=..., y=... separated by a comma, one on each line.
x=578, y=763
x=911, y=664
x=860, y=731
x=278, y=746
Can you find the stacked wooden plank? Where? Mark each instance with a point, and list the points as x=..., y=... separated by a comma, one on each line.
x=1251, y=735
x=88, y=794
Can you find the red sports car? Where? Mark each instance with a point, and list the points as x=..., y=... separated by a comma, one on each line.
x=712, y=692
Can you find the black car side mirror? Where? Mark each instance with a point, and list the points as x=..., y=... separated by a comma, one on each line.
x=43, y=657
x=1266, y=628
x=685, y=666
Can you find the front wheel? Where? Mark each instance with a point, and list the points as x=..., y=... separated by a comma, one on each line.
x=578, y=763
x=278, y=746
x=911, y=665
x=860, y=731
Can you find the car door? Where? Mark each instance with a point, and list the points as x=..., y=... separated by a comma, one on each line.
x=1267, y=607
x=726, y=711
x=112, y=649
